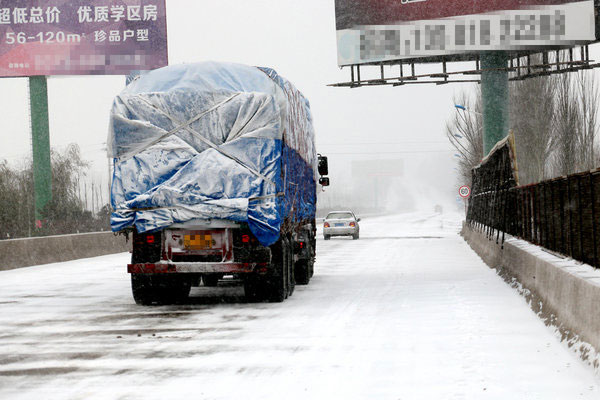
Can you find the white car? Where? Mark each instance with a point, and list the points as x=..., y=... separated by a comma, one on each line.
x=341, y=223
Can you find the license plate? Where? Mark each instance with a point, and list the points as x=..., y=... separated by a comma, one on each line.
x=339, y=224
x=198, y=242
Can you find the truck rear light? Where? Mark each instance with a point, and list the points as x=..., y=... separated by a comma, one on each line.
x=326, y=225
x=352, y=224
x=150, y=239
x=245, y=238
x=301, y=245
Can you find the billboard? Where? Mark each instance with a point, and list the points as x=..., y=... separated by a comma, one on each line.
x=384, y=30
x=81, y=37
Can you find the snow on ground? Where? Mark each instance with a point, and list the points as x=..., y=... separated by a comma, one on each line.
x=406, y=312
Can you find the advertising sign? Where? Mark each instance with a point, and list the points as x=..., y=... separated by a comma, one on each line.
x=81, y=37
x=385, y=30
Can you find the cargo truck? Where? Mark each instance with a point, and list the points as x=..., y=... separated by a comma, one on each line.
x=215, y=173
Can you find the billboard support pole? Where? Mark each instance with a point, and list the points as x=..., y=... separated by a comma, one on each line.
x=494, y=91
x=40, y=144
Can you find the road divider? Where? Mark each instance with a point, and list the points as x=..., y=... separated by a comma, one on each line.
x=19, y=253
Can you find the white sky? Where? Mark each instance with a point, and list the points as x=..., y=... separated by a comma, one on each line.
x=297, y=38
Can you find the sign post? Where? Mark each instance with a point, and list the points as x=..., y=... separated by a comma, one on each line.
x=465, y=192
x=40, y=143
x=494, y=93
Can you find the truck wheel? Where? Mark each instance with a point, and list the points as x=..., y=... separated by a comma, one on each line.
x=277, y=288
x=302, y=272
x=326, y=237
x=159, y=289
x=141, y=287
x=355, y=236
x=290, y=263
x=210, y=280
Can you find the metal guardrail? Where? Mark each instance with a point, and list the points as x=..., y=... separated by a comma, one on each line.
x=561, y=214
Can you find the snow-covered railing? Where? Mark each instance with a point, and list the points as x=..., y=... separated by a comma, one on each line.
x=561, y=214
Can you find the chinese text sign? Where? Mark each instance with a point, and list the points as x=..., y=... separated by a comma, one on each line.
x=374, y=30
x=81, y=37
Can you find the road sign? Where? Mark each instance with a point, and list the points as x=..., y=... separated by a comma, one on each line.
x=464, y=192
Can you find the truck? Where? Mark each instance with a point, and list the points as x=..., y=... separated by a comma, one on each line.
x=214, y=173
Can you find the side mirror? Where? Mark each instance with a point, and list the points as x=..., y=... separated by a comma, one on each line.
x=324, y=181
x=323, y=166
x=358, y=220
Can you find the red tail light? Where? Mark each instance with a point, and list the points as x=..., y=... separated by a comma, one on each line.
x=326, y=225
x=301, y=245
x=245, y=238
x=150, y=239
x=352, y=224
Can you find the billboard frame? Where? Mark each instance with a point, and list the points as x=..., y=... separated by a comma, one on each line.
x=521, y=66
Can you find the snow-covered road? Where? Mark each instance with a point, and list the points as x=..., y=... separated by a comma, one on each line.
x=406, y=312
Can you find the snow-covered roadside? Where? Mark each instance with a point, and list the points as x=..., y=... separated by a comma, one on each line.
x=563, y=292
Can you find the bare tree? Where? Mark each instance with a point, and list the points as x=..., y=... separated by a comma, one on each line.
x=532, y=106
x=587, y=90
x=465, y=132
x=63, y=214
x=566, y=123
x=554, y=119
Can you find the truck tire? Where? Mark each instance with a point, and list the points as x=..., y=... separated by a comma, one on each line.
x=302, y=272
x=158, y=289
x=211, y=280
x=277, y=288
x=355, y=236
x=142, y=290
x=290, y=265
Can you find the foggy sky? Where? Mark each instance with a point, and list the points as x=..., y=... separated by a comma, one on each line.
x=298, y=40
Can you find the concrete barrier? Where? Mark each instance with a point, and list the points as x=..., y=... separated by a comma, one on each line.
x=18, y=253
x=563, y=292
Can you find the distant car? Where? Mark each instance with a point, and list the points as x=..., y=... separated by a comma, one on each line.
x=341, y=223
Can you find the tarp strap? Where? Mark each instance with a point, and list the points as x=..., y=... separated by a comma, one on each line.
x=267, y=197
x=259, y=198
x=175, y=130
x=186, y=126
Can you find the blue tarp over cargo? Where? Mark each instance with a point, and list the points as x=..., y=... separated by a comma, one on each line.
x=212, y=141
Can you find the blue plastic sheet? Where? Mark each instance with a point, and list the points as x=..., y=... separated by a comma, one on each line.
x=212, y=141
